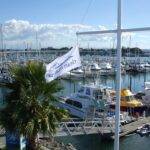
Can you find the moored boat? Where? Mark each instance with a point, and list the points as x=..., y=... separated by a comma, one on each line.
x=88, y=100
x=145, y=95
x=129, y=103
x=144, y=130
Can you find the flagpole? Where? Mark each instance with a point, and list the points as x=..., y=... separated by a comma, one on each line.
x=118, y=79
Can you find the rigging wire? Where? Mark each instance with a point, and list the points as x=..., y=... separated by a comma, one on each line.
x=83, y=18
x=86, y=11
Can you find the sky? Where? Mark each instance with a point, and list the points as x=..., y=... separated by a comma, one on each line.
x=55, y=22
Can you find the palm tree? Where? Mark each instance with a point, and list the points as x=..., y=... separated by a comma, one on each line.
x=30, y=105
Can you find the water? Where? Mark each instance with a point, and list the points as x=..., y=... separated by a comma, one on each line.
x=94, y=142
x=135, y=81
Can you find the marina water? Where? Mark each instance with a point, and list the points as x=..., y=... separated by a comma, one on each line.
x=94, y=142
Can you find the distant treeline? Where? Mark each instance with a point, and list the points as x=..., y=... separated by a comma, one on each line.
x=126, y=51
x=52, y=48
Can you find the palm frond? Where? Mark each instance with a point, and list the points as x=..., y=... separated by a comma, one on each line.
x=30, y=103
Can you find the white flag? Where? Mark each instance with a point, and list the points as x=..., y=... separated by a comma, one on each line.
x=63, y=64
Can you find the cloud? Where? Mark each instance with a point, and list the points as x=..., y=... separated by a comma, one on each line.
x=19, y=33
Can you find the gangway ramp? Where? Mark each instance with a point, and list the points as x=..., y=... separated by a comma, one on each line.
x=80, y=127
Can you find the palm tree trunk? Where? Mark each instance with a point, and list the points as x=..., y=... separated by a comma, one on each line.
x=32, y=143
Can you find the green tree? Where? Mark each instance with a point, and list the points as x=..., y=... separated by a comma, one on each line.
x=30, y=105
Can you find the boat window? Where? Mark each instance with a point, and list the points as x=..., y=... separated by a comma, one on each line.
x=77, y=104
x=129, y=98
x=104, y=91
x=81, y=90
x=97, y=94
x=74, y=103
x=68, y=101
x=122, y=98
x=88, y=92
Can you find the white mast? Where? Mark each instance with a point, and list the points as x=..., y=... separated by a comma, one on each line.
x=1, y=40
x=1, y=35
x=36, y=44
x=118, y=79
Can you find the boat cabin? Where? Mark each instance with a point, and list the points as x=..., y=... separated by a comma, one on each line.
x=87, y=99
x=128, y=99
x=94, y=92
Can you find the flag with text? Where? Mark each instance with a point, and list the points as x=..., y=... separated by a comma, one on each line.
x=63, y=64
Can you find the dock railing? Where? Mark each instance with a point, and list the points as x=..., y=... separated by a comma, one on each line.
x=79, y=127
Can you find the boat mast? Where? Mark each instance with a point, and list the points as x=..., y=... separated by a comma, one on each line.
x=1, y=40
x=36, y=45
x=1, y=34
x=118, y=78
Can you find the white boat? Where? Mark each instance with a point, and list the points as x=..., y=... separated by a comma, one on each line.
x=125, y=118
x=86, y=101
x=147, y=66
x=95, y=67
x=146, y=97
x=92, y=70
x=144, y=130
x=74, y=74
x=106, y=66
x=107, y=69
x=77, y=73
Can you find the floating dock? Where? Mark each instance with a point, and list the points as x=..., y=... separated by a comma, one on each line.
x=132, y=127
